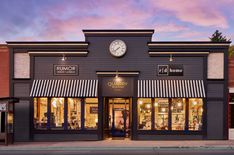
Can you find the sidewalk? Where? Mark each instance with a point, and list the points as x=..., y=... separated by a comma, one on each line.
x=121, y=144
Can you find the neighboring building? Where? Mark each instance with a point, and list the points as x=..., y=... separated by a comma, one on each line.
x=4, y=70
x=231, y=97
x=118, y=83
x=4, y=82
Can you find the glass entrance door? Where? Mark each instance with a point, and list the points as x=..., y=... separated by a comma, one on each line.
x=119, y=116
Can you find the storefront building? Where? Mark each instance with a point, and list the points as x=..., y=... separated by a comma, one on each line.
x=119, y=83
x=4, y=70
x=231, y=97
x=4, y=83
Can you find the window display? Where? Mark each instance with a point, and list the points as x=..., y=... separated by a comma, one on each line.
x=144, y=106
x=74, y=113
x=161, y=113
x=10, y=118
x=178, y=114
x=40, y=113
x=57, y=113
x=195, y=114
x=91, y=113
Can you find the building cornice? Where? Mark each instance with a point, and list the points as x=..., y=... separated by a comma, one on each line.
x=43, y=43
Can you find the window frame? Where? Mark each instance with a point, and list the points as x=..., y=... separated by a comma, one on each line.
x=65, y=129
x=84, y=115
x=170, y=131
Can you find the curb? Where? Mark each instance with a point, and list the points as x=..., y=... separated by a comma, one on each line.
x=116, y=148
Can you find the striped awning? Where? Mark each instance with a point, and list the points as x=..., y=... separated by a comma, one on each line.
x=64, y=88
x=171, y=88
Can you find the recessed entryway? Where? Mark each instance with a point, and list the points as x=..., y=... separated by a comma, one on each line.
x=117, y=117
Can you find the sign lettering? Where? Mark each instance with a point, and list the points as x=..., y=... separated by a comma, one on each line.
x=170, y=70
x=118, y=86
x=65, y=69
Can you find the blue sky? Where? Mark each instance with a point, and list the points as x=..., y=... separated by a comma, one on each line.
x=172, y=20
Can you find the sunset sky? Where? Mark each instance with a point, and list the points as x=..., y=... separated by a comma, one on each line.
x=172, y=20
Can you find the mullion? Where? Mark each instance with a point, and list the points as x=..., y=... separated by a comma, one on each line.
x=169, y=114
x=186, y=114
x=153, y=114
x=65, y=113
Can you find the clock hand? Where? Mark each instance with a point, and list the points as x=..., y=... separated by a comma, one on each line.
x=117, y=48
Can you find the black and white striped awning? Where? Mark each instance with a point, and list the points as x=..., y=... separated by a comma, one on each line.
x=64, y=88
x=171, y=88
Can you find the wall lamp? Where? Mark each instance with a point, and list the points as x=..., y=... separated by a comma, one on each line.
x=117, y=78
x=116, y=75
x=64, y=58
x=171, y=58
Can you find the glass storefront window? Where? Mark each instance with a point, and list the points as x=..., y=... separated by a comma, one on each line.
x=10, y=122
x=144, y=110
x=178, y=114
x=40, y=113
x=57, y=113
x=161, y=113
x=195, y=114
x=91, y=113
x=74, y=113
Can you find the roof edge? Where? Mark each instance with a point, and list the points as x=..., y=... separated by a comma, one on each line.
x=47, y=43
x=118, y=32
x=188, y=43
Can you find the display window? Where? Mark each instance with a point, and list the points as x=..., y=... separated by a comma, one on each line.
x=91, y=113
x=195, y=114
x=161, y=110
x=144, y=108
x=65, y=113
x=178, y=106
x=175, y=114
x=57, y=113
x=74, y=113
x=40, y=113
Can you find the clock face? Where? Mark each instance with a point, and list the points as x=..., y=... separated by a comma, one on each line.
x=118, y=48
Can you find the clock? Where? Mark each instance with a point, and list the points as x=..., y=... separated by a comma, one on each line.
x=118, y=48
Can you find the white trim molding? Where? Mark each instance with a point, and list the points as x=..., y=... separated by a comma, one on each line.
x=174, y=53
x=47, y=44
x=58, y=53
x=119, y=73
x=188, y=44
x=119, y=32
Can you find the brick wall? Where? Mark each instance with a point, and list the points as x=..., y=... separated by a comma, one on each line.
x=231, y=72
x=4, y=71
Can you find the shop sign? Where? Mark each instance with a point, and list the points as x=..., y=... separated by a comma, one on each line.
x=66, y=69
x=170, y=70
x=93, y=110
x=3, y=107
x=118, y=87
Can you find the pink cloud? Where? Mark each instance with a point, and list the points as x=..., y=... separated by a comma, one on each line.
x=197, y=12
x=65, y=21
x=61, y=25
x=171, y=27
x=203, y=36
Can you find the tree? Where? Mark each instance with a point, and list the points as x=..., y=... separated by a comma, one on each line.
x=218, y=37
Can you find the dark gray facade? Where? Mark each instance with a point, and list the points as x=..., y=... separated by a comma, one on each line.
x=138, y=58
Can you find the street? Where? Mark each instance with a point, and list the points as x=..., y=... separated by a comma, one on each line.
x=121, y=152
